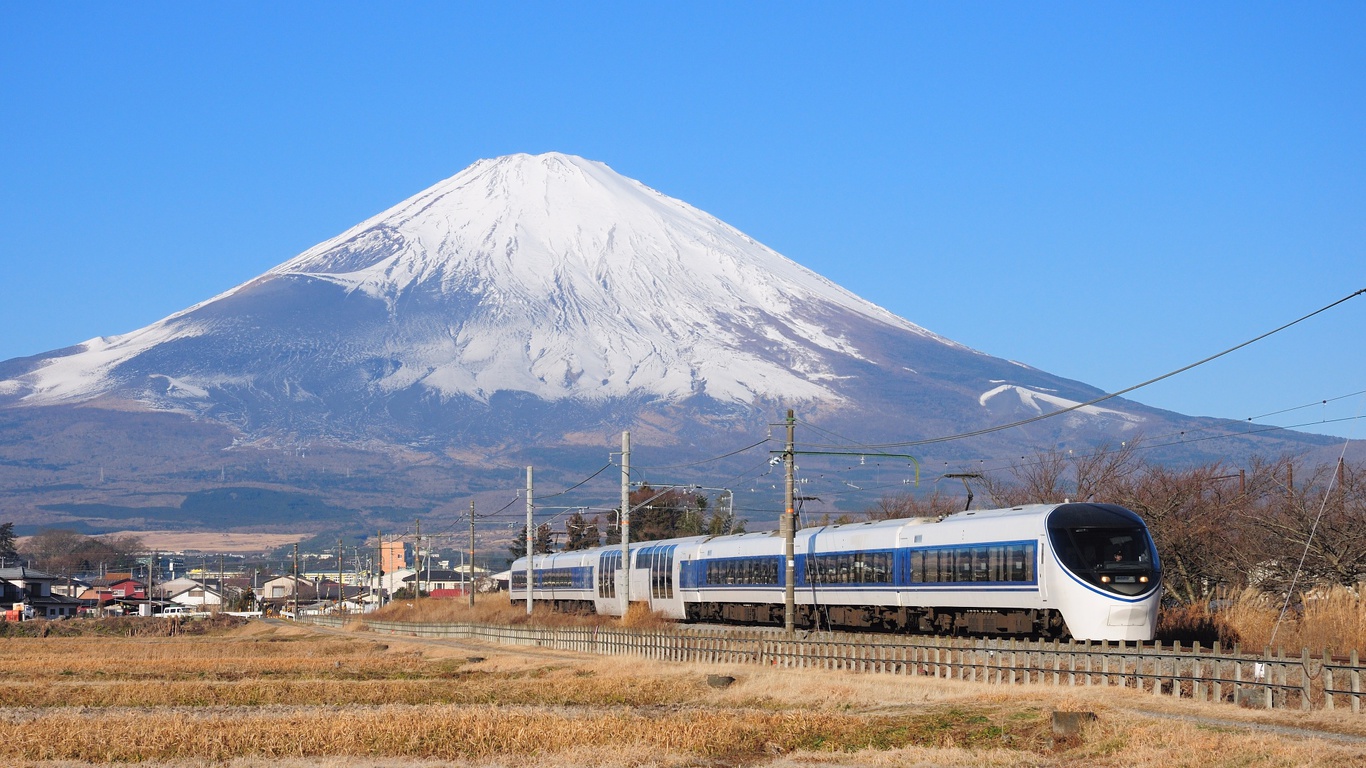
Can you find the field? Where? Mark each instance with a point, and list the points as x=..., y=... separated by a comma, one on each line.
x=263, y=693
x=226, y=543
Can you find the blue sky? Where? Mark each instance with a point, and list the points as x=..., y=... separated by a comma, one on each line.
x=1106, y=191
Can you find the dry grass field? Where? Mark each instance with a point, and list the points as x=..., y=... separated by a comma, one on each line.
x=262, y=693
x=215, y=542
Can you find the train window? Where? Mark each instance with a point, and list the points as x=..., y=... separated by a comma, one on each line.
x=844, y=568
x=997, y=563
x=608, y=565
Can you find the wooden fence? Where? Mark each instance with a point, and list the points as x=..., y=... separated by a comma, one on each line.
x=1269, y=680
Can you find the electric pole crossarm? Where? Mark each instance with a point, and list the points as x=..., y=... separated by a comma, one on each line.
x=906, y=456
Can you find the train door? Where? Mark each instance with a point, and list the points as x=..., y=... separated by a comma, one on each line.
x=607, y=581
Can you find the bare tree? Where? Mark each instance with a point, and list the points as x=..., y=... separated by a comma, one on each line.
x=1190, y=514
x=1313, y=532
x=907, y=505
x=1053, y=476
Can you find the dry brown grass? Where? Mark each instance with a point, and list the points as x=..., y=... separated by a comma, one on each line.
x=1333, y=618
x=495, y=609
x=296, y=697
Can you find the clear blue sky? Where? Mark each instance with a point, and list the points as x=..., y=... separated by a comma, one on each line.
x=1106, y=191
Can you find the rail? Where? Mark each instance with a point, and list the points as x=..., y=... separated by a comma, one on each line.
x=1270, y=680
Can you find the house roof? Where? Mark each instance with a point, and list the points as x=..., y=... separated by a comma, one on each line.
x=111, y=579
x=26, y=574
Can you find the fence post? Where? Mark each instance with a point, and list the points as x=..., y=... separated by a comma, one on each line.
x=1305, y=702
x=1176, y=669
x=1356, y=684
x=1156, y=653
x=1327, y=678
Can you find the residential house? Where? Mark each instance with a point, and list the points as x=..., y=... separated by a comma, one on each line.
x=34, y=589
x=442, y=583
x=191, y=593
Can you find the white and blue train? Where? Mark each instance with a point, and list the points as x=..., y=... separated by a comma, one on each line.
x=1081, y=570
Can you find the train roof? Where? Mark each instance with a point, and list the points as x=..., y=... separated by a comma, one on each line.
x=1025, y=510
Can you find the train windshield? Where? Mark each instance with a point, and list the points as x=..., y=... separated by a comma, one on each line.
x=1105, y=545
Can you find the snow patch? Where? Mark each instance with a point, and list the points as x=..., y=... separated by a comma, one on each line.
x=1041, y=402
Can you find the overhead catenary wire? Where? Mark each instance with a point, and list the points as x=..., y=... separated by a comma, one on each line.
x=709, y=460
x=1313, y=529
x=1108, y=396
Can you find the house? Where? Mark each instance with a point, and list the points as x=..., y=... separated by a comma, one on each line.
x=117, y=586
x=103, y=594
x=284, y=588
x=443, y=583
x=69, y=586
x=34, y=589
x=191, y=593
x=279, y=593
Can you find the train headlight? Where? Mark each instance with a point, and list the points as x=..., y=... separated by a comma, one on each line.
x=1104, y=579
x=1142, y=579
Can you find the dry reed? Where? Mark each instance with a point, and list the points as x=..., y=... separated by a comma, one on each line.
x=1333, y=618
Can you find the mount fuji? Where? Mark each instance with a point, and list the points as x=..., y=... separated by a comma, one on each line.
x=527, y=308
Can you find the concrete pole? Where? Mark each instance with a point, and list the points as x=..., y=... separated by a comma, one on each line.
x=294, y=588
x=530, y=540
x=624, y=575
x=470, y=572
x=417, y=558
x=789, y=530
x=341, y=549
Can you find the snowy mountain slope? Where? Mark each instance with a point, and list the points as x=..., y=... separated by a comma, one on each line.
x=550, y=275
x=547, y=300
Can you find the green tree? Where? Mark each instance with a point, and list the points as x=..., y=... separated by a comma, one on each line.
x=666, y=514
x=580, y=533
x=8, y=554
x=542, y=542
x=245, y=600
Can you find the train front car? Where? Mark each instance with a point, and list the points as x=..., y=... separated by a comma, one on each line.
x=1106, y=579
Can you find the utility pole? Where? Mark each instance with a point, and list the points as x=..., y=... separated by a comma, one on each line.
x=530, y=548
x=294, y=589
x=417, y=557
x=789, y=529
x=379, y=567
x=222, y=588
x=471, y=568
x=787, y=526
x=340, y=549
x=624, y=575
x=151, y=578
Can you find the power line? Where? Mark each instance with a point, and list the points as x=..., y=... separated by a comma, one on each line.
x=606, y=467
x=1306, y=405
x=708, y=461
x=1103, y=398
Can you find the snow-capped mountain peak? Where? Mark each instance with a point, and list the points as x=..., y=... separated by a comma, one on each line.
x=550, y=275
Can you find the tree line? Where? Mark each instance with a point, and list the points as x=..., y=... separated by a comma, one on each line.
x=655, y=515
x=65, y=552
